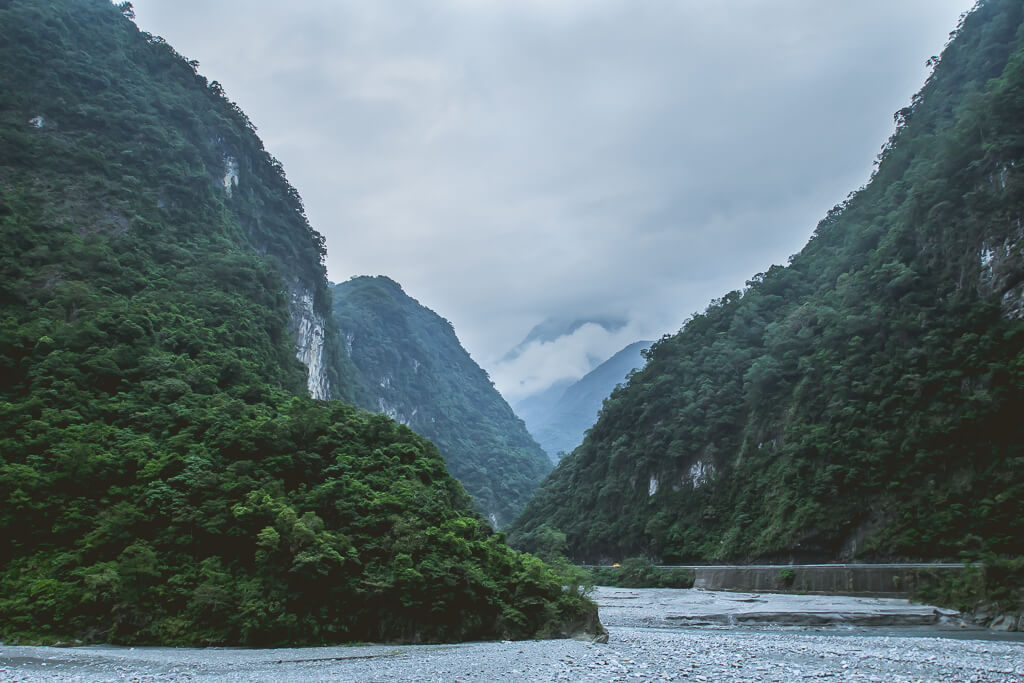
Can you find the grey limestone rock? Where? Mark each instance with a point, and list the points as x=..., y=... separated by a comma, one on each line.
x=1006, y=622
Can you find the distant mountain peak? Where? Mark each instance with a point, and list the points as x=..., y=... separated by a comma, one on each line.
x=558, y=416
x=378, y=279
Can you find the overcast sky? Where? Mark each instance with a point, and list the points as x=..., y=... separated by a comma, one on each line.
x=512, y=162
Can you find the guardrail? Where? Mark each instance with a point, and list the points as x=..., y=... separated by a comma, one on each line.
x=877, y=580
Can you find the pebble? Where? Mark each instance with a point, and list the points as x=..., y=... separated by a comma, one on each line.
x=634, y=652
x=654, y=654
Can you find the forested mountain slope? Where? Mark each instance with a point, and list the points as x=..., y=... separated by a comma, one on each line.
x=558, y=422
x=164, y=475
x=412, y=368
x=863, y=401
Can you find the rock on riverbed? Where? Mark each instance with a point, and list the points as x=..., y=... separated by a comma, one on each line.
x=644, y=646
x=668, y=608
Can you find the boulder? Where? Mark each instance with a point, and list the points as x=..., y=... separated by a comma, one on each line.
x=1005, y=622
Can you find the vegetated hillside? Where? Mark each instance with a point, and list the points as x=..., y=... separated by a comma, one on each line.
x=164, y=475
x=412, y=368
x=559, y=421
x=863, y=401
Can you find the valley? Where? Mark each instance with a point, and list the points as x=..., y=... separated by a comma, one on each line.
x=215, y=463
x=862, y=401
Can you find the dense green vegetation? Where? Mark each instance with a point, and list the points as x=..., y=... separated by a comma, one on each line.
x=164, y=478
x=863, y=401
x=411, y=366
x=558, y=417
x=640, y=572
x=995, y=587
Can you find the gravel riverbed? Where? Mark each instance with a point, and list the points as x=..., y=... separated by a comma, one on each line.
x=645, y=643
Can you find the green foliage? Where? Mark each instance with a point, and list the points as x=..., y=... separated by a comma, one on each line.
x=640, y=572
x=160, y=480
x=997, y=584
x=787, y=576
x=865, y=398
x=331, y=524
x=410, y=365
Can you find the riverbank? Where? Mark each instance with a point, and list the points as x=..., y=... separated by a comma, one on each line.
x=644, y=644
x=668, y=608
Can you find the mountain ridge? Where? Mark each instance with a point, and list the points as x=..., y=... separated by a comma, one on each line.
x=168, y=470
x=558, y=417
x=859, y=402
x=412, y=368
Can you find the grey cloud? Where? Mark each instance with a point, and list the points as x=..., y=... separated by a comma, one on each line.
x=511, y=162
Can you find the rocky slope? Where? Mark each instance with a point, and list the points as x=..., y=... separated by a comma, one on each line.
x=410, y=366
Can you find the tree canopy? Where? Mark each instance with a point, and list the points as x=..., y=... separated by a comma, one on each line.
x=164, y=476
x=410, y=365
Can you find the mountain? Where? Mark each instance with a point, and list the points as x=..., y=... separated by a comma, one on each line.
x=165, y=475
x=536, y=407
x=558, y=416
x=864, y=401
x=412, y=368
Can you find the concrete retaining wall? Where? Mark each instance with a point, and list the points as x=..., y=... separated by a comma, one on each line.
x=838, y=579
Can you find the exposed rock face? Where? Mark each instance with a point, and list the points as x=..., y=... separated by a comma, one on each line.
x=230, y=179
x=308, y=330
x=701, y=473
x=306, y=296
x=1006, y=622
x=1002, y=270
x=1012, y=303
x=994, y=618
x=394, y=413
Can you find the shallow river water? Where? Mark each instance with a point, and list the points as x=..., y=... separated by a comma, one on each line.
x=654, y=635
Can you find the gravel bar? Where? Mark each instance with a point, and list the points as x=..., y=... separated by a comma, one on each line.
x=634, y=653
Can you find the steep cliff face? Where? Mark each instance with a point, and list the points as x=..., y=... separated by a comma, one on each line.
x=864, y=400
x=308, y=328
x=271, y=232
x=1000, y=261
x=165, y=476
x=413, y=369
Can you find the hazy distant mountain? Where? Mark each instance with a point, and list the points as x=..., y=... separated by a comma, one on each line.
x=558, y=416
x=412, y=368
x=535, y=408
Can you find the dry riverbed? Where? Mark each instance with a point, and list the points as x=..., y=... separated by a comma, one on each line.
x=655, y=635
